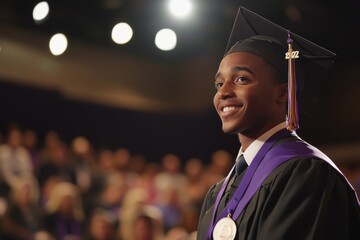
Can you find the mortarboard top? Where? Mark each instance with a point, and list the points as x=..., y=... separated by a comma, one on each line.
x=255, y=34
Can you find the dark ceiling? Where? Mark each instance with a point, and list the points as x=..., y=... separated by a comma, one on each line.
x=92, y=20
x=327, y=22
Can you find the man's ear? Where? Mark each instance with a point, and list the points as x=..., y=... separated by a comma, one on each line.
x=283, y=93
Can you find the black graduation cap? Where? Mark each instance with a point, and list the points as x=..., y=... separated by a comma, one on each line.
x=255, y=34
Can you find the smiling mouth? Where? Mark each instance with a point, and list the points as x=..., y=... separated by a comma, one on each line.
x=229, y=109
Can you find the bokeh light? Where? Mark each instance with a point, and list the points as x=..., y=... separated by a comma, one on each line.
x=41, y=11
x=58, y=44
x=180, y=8
x=166, y=39
x=121, y=33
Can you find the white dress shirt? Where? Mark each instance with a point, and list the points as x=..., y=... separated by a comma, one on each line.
x=255, y=146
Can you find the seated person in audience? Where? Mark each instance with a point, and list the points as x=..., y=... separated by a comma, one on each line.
x=64, y=217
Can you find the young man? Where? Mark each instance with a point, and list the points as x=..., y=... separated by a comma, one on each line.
x=280, y=187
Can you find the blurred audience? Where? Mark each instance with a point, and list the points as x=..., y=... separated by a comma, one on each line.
x=23, y=218
x=196, y=184
x=64, y=213
x=102, y=225
x=62, y=190
x=146, y=180
x=15, y=164
x=136, y=204
x=145, y=228
x=170, y=186
x=30, y=142
x=83, y=160
x=57, y=163
x=177, y=233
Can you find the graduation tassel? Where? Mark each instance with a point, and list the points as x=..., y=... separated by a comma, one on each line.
x=292, y=116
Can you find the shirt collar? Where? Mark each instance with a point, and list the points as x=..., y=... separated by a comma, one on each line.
x=255, y=146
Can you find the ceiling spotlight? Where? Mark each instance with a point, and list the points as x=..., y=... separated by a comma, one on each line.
x=58, y=44
x=40, y=11
x=180, y=8
x=165, y=39
x=121, y=33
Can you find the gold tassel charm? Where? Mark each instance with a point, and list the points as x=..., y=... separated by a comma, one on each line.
x=292, y=116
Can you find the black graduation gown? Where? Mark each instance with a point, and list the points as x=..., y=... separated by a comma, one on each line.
x=303, y=198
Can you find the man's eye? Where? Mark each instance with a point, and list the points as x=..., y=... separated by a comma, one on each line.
x=240, y=80
x=218, y=85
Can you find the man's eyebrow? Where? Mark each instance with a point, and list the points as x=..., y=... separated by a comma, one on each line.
x=217, y=75
x=236, y=69
x=239, y=68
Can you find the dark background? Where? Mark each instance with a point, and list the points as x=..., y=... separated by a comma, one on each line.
x=151, y=134
x=334, y=118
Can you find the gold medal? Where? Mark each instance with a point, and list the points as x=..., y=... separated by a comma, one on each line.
x=225, y=229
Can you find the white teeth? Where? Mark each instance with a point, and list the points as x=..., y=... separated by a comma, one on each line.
x=228, y=109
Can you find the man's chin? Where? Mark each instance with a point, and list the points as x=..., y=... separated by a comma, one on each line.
x=228, y=130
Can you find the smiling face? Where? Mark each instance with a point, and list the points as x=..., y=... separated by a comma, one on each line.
x=249, y=98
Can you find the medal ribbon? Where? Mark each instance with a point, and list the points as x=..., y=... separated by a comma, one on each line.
x=244, y=183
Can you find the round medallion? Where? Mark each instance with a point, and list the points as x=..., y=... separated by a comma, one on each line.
x=225, y=229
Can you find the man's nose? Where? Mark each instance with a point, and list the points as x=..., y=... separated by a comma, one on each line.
x=226, y=90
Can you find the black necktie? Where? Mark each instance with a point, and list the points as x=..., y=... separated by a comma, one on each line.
x=240, y=165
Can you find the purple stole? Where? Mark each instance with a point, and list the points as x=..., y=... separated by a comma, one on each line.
x=266, y=160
